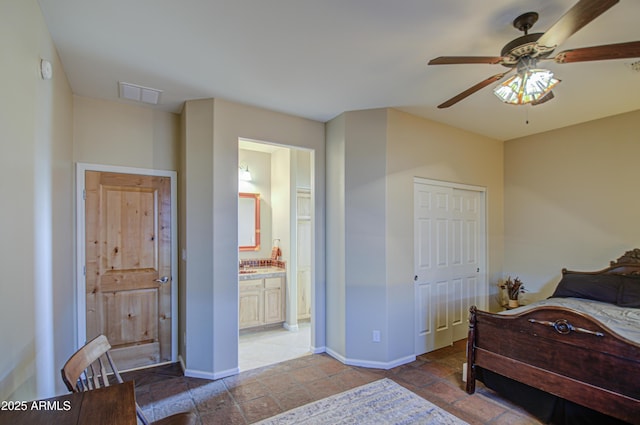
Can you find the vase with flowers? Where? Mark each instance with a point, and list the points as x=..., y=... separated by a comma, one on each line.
x=513, y=288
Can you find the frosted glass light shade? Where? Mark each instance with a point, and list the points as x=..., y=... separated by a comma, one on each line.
x=526, y=86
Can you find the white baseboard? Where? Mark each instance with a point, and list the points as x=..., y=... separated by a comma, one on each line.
x=315, y=350
x=291, y=328
x=371, y=364
x=225, y=373
x=336, y=356
x=191, y=373
x=198, y=374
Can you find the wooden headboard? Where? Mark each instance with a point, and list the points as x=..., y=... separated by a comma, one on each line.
x=628, y=263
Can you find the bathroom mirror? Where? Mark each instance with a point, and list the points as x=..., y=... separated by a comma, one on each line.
x=249, y=221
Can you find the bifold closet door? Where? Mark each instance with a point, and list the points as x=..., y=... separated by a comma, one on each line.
x=448, y=248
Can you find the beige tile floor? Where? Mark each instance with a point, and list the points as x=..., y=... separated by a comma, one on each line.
x=263, y=348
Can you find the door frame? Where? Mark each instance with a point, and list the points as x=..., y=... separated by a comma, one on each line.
x=81, y=319
x=484, y=261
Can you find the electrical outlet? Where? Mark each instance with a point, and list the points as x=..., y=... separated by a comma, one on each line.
x=375, y=336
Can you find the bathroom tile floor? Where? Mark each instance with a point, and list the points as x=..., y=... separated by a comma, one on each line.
x=262, y=348
x=263, y=392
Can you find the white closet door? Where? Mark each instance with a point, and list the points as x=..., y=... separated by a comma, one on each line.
x=448, y=250
x=465, y=267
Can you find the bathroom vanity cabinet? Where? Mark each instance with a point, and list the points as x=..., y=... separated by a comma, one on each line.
x=262, y=299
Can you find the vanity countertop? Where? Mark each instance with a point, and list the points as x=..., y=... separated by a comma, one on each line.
x=249, y=273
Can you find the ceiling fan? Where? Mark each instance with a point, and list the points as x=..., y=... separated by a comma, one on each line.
x=523, y=53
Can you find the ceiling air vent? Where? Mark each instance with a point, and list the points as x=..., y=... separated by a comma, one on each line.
x=138, y=93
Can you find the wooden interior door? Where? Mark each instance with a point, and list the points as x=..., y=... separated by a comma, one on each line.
x=128, y=265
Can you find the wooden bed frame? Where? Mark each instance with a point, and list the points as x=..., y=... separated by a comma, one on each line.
x=562, y=352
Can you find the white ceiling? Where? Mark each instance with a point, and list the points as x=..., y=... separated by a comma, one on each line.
x=319, y=58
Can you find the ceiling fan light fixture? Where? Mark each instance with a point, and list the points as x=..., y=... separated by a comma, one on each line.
x=528, y=85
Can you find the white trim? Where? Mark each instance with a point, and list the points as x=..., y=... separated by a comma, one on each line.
x=371, y=364
x=80, y=245
x=449, y=184
x=291, y=328
x=145, y=367
x=192, y=373
x=485, y=223
x=317, y=350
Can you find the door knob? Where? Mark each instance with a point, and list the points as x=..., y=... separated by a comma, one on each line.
x=163, y=279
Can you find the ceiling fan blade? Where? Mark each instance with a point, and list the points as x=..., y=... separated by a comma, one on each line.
x=547, y=97
x=598, y=53
x=472, y=90
x=577, y=17
x=455, y=60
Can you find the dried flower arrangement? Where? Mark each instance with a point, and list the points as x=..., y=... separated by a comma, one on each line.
x=513, y=287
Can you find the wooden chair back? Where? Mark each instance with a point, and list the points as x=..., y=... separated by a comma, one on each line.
x=91, y=367
x=87, y=369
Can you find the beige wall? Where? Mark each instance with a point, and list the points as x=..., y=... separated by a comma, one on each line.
x=36, y=220
x=113, y=133
x=568, y=199
x=196, y=234
x=335, y=236
x=571, y=200
x=44, y=130
x=209, y=203
x=281, y=218
x=422, y=148
x=127, y=135
x=373, y=157
x=356, y=199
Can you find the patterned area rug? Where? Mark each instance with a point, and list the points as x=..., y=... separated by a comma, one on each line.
x=380, y=402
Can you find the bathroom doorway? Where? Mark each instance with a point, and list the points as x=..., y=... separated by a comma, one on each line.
x=276, y=274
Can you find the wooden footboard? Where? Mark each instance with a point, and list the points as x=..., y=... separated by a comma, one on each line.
x=562, y=352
